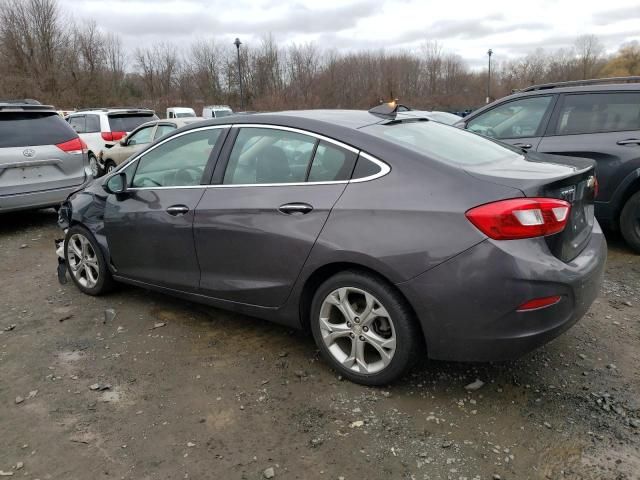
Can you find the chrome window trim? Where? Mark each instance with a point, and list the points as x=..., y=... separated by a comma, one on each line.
x=384, y=167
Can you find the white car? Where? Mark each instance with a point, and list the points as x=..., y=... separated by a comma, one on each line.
x=99, y=125
x=216, y=111
x=180, y=112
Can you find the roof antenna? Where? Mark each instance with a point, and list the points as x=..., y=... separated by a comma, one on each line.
x=389, y=109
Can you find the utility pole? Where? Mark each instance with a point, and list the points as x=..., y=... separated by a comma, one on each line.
x=237, y=43
x=490, y=52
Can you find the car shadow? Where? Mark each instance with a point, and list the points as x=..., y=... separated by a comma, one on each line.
x=15, y=222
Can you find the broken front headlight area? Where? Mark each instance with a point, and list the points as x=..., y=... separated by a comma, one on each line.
x=64, y=215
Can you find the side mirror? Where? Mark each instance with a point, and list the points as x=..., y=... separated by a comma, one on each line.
x=123, y=142
x=116, y=184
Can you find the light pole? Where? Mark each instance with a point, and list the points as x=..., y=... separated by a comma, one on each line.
x=490, y=52
x=237, y=43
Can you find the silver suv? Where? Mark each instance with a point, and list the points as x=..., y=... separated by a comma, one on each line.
x=42, y=160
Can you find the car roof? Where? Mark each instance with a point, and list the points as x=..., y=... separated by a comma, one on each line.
x=634, y=87
x=112, y=110
x=24, y=105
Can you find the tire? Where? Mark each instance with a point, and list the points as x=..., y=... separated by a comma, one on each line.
x=94, y=166
x=87, y=266
x=109, y=166
x=630, y=222
x=356, y=292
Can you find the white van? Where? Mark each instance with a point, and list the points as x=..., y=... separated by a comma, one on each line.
x=216, y=111
x=180, y=112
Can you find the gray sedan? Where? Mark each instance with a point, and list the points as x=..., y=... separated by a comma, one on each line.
x=388, y=238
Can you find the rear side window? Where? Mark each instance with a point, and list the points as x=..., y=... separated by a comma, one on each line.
x=128, y=122
x=264, y=155
x=443, y=143
x=331, y=163
x=516, y=119
x=22, y=129
x=92, y=124
x=599, y=112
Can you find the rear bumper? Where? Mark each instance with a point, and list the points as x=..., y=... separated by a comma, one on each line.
x=467, y=305
x=33, y=200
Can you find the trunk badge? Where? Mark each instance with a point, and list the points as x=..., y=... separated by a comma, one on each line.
x=29, y=152
x=568, y=194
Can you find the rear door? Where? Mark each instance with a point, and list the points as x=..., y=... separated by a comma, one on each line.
x=520, y=122
x=603, y=126
x=149, y=227
x=256, y=227
x=32, y=156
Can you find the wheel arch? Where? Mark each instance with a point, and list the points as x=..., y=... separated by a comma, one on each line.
x=633, y=187
x=322, y=273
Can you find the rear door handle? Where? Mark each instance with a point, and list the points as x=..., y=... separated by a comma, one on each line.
x=526, y=146
x=177, y=210
x=629, y=141
x=295, y=208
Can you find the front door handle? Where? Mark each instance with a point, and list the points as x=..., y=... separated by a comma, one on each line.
x=526, y=146
x=295, y=208
x=177, y=210
x=629, y=141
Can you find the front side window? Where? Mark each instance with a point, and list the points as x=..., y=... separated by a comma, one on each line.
x=517, y=119
x=264, y=155
x=599, y=112
x=178, y=162
x=141, y=137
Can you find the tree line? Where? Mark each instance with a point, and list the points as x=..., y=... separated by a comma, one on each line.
x=73, y=65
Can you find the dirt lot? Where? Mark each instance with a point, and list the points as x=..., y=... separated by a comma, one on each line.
x=208, y=394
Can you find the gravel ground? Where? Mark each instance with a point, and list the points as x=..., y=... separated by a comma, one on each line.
x=168, y=389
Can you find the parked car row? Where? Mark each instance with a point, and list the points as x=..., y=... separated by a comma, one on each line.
x=386, y=233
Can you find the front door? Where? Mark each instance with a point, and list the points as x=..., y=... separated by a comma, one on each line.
x=255, y=230
x=149, y=228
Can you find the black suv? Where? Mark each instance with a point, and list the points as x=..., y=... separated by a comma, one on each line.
x=598, y=119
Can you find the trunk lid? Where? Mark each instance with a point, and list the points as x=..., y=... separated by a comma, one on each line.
x=540, y=175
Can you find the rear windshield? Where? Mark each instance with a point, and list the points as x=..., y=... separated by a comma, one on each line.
x=26, y=129
x=442, y=142
x=127, y=122
x=184, y=115
x=223, y=113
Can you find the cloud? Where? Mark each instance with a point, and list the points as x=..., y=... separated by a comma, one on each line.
x=617, y=15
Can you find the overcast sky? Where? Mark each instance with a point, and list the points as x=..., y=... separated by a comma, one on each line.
x=468, y=28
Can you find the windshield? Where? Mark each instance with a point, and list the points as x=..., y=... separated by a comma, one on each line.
x=185, y=115
x=443, y=143
x=223, y=113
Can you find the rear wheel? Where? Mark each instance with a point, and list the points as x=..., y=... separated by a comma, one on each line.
x=94, y=166
x=364, y=328
x=630, y=221
x=86, y=263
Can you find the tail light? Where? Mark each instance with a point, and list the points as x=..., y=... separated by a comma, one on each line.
x=112, y=136
x=520, y=218
x=538, y=303
x=73, y=146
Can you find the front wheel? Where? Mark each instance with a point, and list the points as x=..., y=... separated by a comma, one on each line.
x=630, y=222
x=364, y=328
x=94, y=166
x=86, y=263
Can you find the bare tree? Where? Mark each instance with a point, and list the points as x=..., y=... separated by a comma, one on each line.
x=589, y=51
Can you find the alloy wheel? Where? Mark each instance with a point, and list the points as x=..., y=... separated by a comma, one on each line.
x=357, y=330
x=93, y=166
x=83, y=261
x=110, y=167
